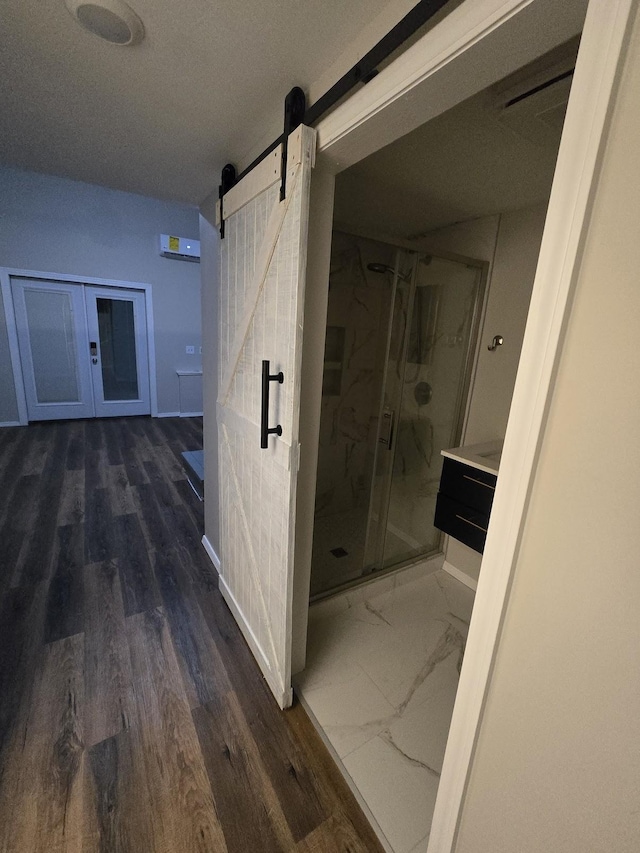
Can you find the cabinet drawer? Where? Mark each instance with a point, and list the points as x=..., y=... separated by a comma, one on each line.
x=460, y=521
x=468, y=485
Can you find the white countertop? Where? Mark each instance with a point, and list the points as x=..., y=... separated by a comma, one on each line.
x=484, y=457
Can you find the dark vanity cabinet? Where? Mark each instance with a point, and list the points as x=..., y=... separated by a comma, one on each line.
x=464, y=502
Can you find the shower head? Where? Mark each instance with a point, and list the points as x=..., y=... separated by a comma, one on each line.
x=383, y=268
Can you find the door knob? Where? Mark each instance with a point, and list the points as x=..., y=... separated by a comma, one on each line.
x=497, y=341
x=94, y=360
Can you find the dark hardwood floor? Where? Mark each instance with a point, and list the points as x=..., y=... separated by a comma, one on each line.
x=132, y=715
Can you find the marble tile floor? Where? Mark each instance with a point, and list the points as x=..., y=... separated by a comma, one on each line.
x=382, y=672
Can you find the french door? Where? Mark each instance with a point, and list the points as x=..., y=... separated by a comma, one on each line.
x=262, y=279
x=117, y=328
x=83, y=349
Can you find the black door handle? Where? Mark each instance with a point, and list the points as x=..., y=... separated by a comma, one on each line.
x=265, y=430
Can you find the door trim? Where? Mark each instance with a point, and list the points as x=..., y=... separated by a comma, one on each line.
x=7, y=273
x=442, y=63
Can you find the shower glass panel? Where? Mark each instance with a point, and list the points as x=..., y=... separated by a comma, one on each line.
x=438, y=330
x=355, y=351
x=400, y=335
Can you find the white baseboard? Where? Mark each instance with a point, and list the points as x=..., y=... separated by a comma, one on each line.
x=191, y=414
x=458, y=575
x=208, y=547
x=283, y=695
x=11, y=424
x=168, y=415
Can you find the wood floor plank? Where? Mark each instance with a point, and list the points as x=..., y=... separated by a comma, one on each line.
x=22, y=621
x=100, y=542
x=65, y=601
x=236, y=773
x=283, y=757
x=71, y=510
x=39, y=553
x=203, y=672
x=121, y=498
x=124, y=821
x=108, y=680
x=179, y=790
x=11, y=470
x=336, y=835
x=139, y=589
x=45, y=806
x=77, y=448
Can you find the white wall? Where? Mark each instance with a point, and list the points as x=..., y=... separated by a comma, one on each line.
x=510, y=243
x=54, y=225
x=557, y=763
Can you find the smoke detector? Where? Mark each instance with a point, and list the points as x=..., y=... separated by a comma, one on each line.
x=111, y=20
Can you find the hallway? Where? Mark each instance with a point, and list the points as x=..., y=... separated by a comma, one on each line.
x=132, y=715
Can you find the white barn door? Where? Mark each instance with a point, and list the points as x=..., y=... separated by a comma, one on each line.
x=262, y=282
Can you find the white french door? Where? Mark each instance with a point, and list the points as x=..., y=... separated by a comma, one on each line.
x=51, y=324
x=262, y=281
x=83, y=349
x=117, y=329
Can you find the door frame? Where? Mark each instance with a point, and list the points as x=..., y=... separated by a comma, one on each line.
x=7, y=273
x=467, y=51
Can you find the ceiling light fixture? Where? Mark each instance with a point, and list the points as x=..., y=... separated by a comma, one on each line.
x=111, y=20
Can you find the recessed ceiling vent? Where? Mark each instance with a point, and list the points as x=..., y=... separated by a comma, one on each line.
x=533, y=101
x=111, y=20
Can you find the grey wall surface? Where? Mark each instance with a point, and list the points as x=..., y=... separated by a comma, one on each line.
x=55, y=225
x=210, y=286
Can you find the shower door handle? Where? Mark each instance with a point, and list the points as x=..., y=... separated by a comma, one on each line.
x=385, y=434
x=265, y=429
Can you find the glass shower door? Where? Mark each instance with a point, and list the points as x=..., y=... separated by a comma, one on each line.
x=426, y=381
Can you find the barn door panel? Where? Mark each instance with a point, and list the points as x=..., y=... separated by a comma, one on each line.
x=262, y=279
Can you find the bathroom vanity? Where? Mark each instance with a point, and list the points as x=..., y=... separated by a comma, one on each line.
x=467, y=486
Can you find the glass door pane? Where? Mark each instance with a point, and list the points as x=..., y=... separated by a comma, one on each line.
x=402, y=292
x=438, y=332
x=53, y=346
x=52, y=335
x=117, y=349
x=360, y=297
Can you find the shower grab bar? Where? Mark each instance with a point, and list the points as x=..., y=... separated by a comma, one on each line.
x=265, y=429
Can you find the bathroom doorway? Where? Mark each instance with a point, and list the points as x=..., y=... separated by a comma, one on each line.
x=399, y=352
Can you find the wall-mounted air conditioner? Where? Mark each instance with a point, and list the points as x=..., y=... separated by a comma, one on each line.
x=179, y=248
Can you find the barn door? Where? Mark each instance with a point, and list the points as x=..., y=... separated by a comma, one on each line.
x=262, y=280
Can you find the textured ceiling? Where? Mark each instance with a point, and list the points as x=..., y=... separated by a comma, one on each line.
x=161, y=118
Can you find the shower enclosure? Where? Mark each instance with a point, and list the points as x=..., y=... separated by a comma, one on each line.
x=400, y=338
